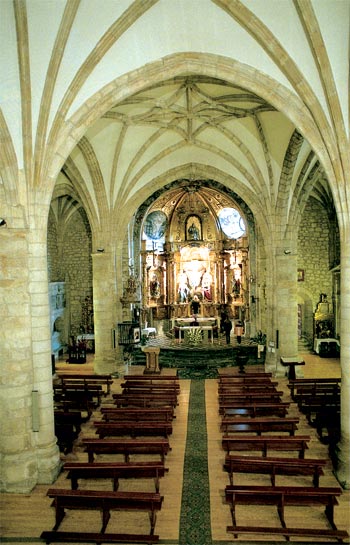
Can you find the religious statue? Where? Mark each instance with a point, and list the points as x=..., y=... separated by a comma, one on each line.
x=207, y=280
x=183, y=289
x=236, y=287
x=193, y=232
x=154, y=287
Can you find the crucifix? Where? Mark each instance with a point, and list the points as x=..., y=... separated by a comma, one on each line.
x=154, y=250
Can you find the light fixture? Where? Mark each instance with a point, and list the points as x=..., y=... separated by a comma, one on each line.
x=100, y=250
x=2, y=222
x=287, y=252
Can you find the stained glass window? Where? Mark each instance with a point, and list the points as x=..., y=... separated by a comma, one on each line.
x=231, y=222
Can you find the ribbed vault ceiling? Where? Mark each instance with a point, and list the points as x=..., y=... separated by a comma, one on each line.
x=195, y=121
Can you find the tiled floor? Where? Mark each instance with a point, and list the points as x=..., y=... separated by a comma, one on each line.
x=24, y=517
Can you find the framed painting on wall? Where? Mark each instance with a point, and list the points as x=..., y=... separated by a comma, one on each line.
x=137, y=336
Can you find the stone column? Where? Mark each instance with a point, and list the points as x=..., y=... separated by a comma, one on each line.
x=104, y=312
x=286, y=318
x=29, y=454
x=343, y=448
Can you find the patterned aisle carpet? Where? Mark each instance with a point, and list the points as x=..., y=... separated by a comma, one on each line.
x=195, y=528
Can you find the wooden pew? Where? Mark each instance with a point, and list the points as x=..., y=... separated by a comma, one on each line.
x=232, y=387
x=104, y=380
x=105, y=502
x=259, y=425
x=306, y=398
x=65, y=435
x=89, y=386
x=134, y=429
x=67, y=427
x=244, y=379
x=274, y=466
x=140, y=399
x=95, y=390
x=289, y=532
x=94, y=537
x=114, y=471
x=264, y=443
x=126, y=447
x=162, y=389
x=75, y=400
x=251, y=397
x=79, y=394
x=328, y=419
x=281, y=497
x=314, y=384
x=154, y=379
x=136, y=413
x=318, y=406
x=73, y=418
x=233, y=372
x=254, y=409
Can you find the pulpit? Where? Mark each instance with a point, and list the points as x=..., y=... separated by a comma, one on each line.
x=152, y=358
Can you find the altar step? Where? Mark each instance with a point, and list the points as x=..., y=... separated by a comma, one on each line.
x=200, y=362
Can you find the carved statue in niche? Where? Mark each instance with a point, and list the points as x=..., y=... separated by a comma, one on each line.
x=194, y=228
x=154, y=286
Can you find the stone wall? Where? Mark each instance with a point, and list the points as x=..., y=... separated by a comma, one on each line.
x=74, y=264
x=313, y=259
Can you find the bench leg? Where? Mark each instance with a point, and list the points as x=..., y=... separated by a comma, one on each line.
x=280, y=510
x=152, y=518
x=329, y=511
x=273, y=476
x=233, y=516
x=115, y=484
x=156, y=483
x=231, y=477
x=316, y=478
x=74, y=483
x=105, y=518
x=60, y=513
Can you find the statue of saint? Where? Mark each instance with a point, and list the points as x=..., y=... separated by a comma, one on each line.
x=206, y=285
x=154, y=287
x=193, y=232
x=183, y=289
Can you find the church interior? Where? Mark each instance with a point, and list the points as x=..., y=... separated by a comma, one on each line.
x=174, y=188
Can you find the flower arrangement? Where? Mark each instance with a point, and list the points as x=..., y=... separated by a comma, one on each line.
x=194, y=336
x=260, y=338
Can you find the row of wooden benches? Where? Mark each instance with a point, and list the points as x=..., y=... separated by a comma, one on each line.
x=74, y=395
x=108, y=501
x=75, y=398
x=229, y=390
x=319, y=400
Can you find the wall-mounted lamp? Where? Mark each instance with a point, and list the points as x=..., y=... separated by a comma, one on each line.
x=100, y=250
x=287, y=252
x=2, y=222
x=251, y=279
